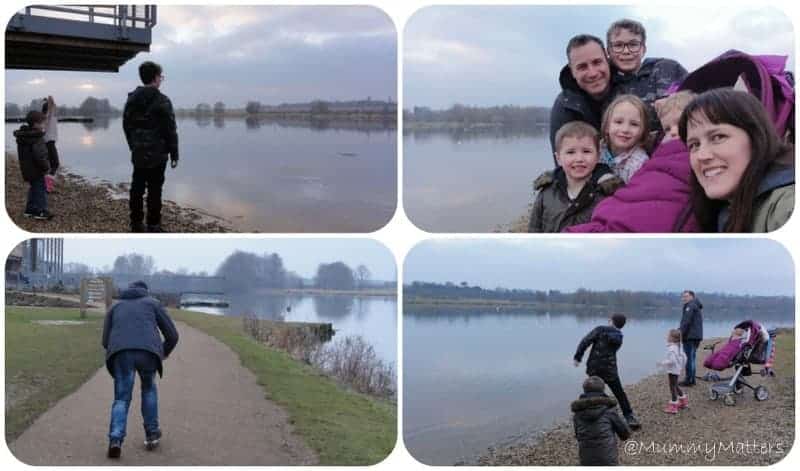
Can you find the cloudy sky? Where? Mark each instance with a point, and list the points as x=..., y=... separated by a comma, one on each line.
x=737, y=266
x=241, y=53
x=512, y=54
x=299, y=255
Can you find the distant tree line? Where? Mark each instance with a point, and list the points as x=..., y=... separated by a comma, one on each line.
x=243, y=271
x=319, y=106
x=582, y=297
x=508, y=115
x=91, y=106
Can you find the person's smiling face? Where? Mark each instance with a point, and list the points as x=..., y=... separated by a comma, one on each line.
x=626, y=50
x=719, y=155
x=625, y=127
x=578, y=157
x=589, y=67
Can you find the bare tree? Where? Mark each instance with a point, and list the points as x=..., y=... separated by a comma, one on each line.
x=363, y=275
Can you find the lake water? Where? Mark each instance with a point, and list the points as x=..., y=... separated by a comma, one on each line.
x=461, y=182
x=260, y=175
x=478, y=379
x=372, y=317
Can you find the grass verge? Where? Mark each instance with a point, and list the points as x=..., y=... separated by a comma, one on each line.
x=343, y=427
x=46, y=362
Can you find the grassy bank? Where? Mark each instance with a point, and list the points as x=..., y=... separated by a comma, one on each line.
x=344, y=428
x=46, y=362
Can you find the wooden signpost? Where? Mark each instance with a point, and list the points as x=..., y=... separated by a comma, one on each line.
x=95, y=290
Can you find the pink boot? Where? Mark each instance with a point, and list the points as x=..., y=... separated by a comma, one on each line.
x=671, y=407
x=683, y=401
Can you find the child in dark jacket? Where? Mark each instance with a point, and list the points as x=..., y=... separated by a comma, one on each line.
x=34, y=164
x=568, y=195
x=605, y=340
x=597, y=425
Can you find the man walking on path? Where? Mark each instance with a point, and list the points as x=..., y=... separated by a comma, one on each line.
x=149, y=124
x=132, y=343
x=691, y=333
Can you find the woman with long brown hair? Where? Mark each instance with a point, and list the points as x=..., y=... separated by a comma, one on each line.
x=742, y=172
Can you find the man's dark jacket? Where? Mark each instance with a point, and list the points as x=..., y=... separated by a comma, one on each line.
x=597, y=425
x=32, y=153
x=605, y=341
x=574, y=104
x=134, y=323
x=692, y=320
x=149, y=124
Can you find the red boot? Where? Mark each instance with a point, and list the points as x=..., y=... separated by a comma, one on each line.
x=671, y=407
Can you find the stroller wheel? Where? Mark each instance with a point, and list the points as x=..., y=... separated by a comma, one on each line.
x=761, y=393
x=729, y=400
x=714, y=395
x=738, y=388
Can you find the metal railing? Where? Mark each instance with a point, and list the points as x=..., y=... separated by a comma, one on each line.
x=123, y=17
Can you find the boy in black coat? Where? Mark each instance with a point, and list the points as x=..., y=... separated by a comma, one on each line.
x=597, y=425
x=34, y=164
x=605, y=341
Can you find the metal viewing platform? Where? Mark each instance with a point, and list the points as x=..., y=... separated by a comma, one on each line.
x=96, y=38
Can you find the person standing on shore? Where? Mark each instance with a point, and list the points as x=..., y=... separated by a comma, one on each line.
x=133, y=344
x=34, y=164
x=50, y=137
x=691, y=332
x=149, y=124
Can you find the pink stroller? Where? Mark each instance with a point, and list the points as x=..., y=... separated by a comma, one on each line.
x=756, y=347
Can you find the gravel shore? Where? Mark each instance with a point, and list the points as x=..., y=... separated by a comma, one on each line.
x=80, y=205
x=750, y=433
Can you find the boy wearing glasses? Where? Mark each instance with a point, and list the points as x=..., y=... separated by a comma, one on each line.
x=648, y=78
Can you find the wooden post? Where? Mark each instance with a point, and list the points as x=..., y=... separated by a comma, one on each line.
x=84, y=296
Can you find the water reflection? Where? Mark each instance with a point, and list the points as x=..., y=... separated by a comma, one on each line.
x=374, y=318
x=334, y=307
x=98, y=122
x=259, y=175
x=458, y=134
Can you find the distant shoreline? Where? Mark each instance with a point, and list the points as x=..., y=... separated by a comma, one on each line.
x=327, y=292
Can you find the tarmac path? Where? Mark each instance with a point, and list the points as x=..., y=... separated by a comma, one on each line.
x=211, y=411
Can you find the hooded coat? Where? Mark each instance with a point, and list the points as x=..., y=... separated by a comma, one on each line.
x=574, y=104
x=773, y=204
x=656, y=199
x=148, y=121
x=32, y=153
x=605, y=340
x=134, y=324
x=597, y=426
x=692, y=321
x=553, y=210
